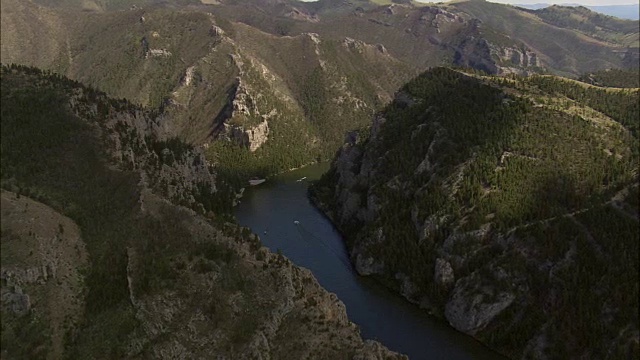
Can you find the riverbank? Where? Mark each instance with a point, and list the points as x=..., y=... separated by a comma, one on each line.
x=316, y=244
x=392, y=284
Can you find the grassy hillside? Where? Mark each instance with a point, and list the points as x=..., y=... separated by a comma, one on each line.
x=481, y=198
x=33, y=35
x=607, y=28
x=434, y=34
x=572, y=48
x=424, y=35
x=205, y=72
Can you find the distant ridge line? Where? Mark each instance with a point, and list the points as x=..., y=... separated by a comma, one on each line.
x=627, y=12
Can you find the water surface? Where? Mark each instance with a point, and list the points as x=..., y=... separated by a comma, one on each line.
x=316, y=245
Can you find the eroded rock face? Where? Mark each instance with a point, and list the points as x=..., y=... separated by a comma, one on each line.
x=443, y=273
x=472, y=307
x=407, y=288
x=521, y=57
x=188, y=76
x=139, y=142
x=216, y=30
x=302, y=15
x=247, y=123
x=251, y=138
x=158, y=53
x=353, y=44
x=367, y=265
x=42, y=258
x=516, y=60
x=16, y=301
x=479, y=53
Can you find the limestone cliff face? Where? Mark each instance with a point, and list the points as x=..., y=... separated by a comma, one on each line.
x=240, y=127
x=494, y=58
x=251, y=138
x=516, y=60
x=245, y=118
x=520, y=57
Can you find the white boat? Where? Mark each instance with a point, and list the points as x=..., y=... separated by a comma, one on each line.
x=254, y=182
x=296, y=222
x=301, y=179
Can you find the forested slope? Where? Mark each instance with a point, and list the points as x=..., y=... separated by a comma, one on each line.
x=509, y=206
x=267, y=86
x=99, y=260
x=613, y=78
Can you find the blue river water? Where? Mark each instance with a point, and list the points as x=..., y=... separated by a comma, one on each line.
x=315, y=244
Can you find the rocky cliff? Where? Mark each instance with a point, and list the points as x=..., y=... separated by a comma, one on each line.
x=502, y=206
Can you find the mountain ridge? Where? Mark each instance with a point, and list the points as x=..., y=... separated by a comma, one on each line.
x=629, y=11
x=232, y=75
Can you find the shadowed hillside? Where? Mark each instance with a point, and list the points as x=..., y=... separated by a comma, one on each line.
x=508, y=206
x=99, y=260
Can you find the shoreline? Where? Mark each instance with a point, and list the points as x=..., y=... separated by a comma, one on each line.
x=324, y=210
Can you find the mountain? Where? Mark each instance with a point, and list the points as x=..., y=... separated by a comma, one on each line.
x=506, y=205
x=605, y=28
x=492, y=37
x=629, y=12
x=579, y=39
x=116, y=244
x=217, y=79
x=267, y=86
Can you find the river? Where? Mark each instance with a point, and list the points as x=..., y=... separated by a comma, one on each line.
x=316, y=245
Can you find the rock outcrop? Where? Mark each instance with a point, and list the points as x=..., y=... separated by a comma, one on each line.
x=471, y=306
x=479, y=53
x=443, y=273
x=251, y=138
x=43, y=256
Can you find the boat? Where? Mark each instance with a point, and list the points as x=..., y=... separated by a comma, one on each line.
x=296, y=222
x=302, y=178
x=256, y=181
